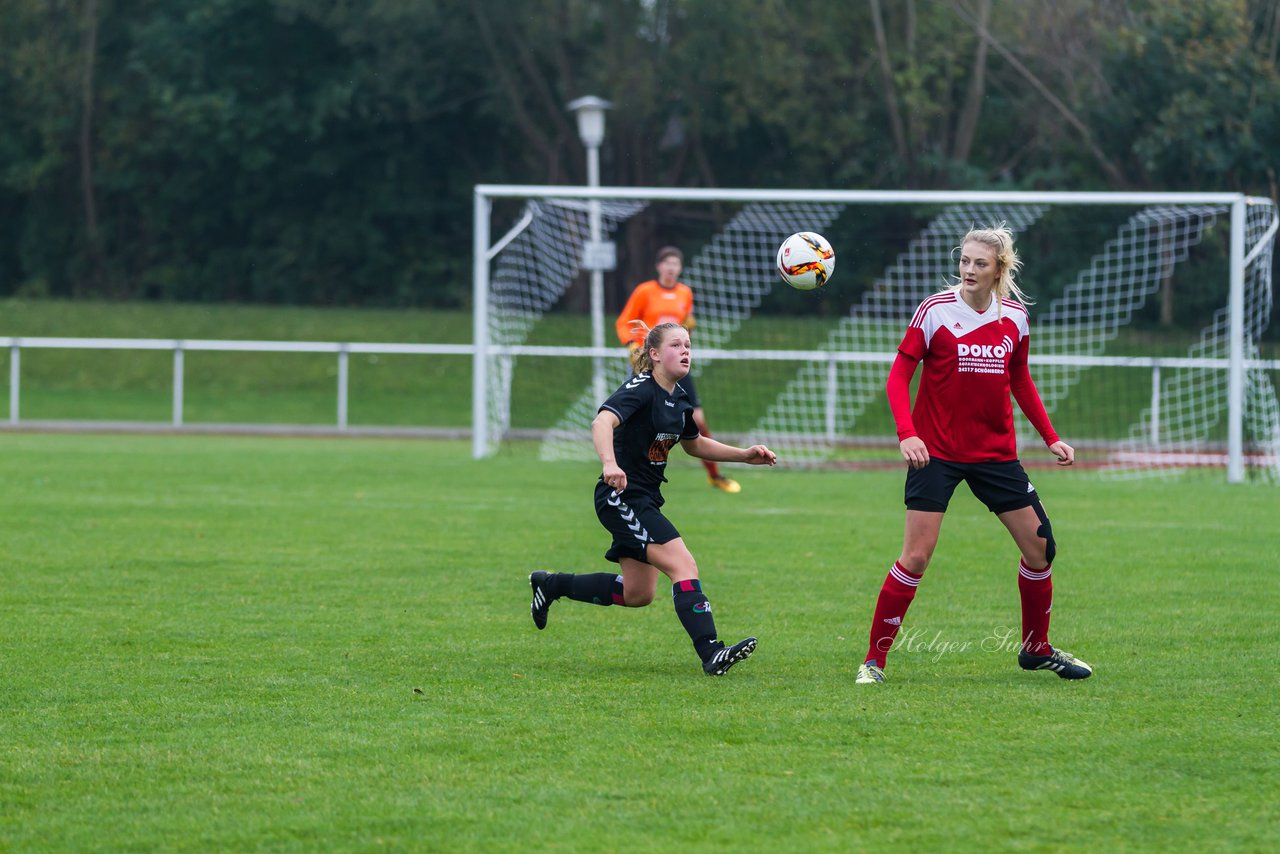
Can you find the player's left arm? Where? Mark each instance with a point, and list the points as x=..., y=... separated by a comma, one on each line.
x=1028, y=397
x=706, y=448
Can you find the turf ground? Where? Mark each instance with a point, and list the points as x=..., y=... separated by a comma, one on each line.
x=229, y=643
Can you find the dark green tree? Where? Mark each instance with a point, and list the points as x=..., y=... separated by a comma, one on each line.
x=324, y=153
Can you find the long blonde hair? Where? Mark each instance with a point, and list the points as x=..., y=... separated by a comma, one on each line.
x=999, y=238
x=653, y=338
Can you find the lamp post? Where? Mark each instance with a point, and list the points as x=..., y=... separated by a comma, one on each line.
x=597, y=257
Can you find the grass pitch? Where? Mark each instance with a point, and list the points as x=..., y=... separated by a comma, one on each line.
x=238, y=643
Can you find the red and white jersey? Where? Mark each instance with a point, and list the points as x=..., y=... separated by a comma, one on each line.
x=962, y=411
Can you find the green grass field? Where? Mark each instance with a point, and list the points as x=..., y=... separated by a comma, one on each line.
x=222, y=643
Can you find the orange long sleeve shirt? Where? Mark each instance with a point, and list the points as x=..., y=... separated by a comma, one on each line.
x=654, y=304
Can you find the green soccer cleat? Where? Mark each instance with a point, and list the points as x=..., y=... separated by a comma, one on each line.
x=1059, y=661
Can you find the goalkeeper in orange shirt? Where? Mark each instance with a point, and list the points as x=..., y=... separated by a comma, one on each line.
x=668, y=300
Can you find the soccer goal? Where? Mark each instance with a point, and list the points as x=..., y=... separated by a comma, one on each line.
x=1152, y=343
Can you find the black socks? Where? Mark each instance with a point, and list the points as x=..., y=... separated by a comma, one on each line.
x=605, y=588
x=694, y=612
x=597, y=588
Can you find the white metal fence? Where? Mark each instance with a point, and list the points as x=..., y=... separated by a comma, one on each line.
x=179, y=347
x=343, y=351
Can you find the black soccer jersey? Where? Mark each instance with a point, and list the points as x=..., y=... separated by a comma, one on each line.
x=652, y=421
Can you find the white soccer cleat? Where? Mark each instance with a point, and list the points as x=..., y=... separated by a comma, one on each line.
x=869, y=674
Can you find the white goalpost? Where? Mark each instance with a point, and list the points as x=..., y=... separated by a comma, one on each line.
x=1149, y=332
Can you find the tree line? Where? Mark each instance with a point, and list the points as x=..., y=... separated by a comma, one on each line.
x=323, y=152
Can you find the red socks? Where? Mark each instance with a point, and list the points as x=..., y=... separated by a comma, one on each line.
x=1034, y=585
x=1036, y=588
x=895, y=597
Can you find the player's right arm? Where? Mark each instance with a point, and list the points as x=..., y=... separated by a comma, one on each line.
x=898, y=388
x=602, y=428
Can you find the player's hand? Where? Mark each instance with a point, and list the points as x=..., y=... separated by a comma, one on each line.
x=614, y=477
x=914, y=452
x=1065, y=453
x=759, y=455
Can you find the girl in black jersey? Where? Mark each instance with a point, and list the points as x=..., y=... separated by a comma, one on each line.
x=633, y=432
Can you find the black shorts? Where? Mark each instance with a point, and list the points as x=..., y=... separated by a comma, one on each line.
x=1002, y=486
x=634, y=519
x=690, y=390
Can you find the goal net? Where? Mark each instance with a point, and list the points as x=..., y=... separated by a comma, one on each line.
x=1147, y=358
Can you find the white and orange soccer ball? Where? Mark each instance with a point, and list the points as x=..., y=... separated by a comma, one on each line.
x=806, y=260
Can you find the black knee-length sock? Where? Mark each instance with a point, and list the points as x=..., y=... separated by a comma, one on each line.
x=597, y=588
x=694, y=612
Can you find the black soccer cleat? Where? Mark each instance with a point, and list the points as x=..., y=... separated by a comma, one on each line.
x=541, y=598
x=1059, y=661
x=722, y=659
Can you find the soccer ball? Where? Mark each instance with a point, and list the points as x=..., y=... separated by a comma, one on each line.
x=806, y=260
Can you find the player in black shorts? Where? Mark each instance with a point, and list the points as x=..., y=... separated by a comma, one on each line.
x=633, y=433
x=971, y=344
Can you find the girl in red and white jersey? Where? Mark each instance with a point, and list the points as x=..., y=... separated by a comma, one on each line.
x=972, y=341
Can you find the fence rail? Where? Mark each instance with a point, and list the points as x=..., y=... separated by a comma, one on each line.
x=343, y=350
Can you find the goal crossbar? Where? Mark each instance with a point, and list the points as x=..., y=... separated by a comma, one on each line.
x=945, y=197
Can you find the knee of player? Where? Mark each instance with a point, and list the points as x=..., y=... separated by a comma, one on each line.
x=1036, y=558
x=1045, y=534
x=674, y=560
x=915, y=562
x=637, y=598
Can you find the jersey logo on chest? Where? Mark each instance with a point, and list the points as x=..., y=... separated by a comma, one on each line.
x=661, y=447
x=983, y=358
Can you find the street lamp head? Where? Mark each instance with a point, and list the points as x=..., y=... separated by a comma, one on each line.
x=590, y=110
